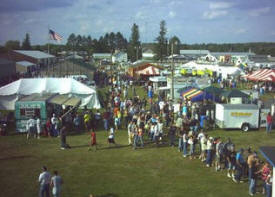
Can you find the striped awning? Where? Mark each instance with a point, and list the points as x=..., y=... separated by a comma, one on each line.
x=151, y=70
x=191, y=93
x=262, y=75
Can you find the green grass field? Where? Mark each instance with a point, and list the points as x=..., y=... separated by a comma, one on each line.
x=117, y=172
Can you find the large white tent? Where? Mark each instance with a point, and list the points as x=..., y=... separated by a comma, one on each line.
x=10, y=93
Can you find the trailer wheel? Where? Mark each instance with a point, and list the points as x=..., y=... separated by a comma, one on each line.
x=245, y=127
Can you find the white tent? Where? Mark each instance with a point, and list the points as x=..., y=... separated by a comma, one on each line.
x=9, y=94
x=223, y=70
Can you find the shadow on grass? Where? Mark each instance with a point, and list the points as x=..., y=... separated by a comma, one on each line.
x=80, y=146
x=16, y=157
x=108, y=195
x=147, y=145
x=113, y=146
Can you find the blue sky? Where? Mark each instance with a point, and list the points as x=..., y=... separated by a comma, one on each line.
x=193, y=21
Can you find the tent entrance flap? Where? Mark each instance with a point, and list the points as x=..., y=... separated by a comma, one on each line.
x=65, y=100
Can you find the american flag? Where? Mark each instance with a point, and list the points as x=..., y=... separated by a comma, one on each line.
x=54, y=35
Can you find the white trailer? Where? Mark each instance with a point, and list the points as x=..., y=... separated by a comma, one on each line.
x=237, y=116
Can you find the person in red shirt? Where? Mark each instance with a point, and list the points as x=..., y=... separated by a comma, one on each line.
x=48, y=127
x=268, y=123
x=93, y=141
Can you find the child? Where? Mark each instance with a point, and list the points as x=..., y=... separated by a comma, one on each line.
x=111, y=137
x=93, y=140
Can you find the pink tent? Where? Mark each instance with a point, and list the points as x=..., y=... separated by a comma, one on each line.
x=262, y=75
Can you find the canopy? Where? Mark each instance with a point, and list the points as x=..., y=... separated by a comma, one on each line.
x=195, y=95
x=234, y=93
x=9, y=94
x=213, y=90
x=262, y=75
x=65, y=100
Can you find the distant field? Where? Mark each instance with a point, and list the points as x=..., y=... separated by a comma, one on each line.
x=117, y=172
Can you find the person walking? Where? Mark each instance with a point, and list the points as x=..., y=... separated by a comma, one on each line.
x=239, y=166
x=172, y=132
x=56, y=182
x=54, y=123
x=38, y=127
x=63, y=134
x=130, y=133
x=268, y=123
x=251, y=162
x=140, y=137
x=44, y=181
x=31, y=127
x=93, y=141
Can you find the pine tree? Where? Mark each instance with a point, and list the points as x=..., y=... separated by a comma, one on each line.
x=161, y=47
x=134, y=49
x=26, y=44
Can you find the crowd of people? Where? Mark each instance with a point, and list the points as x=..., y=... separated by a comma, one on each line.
x=160, y=124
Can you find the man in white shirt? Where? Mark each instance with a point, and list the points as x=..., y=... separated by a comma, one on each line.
x=44, y=181
x=54, y=122
x=38, y=127
x=31, y=127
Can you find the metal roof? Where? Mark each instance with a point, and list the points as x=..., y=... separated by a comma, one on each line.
x=240, y=106
x=269, y=154
x=35, y=54
x=232, y=53
x=25, y=63
x=102, y=55
x=194, y=52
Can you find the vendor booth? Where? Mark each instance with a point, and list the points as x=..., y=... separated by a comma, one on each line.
x=10, y=93
x=158, y=81
x=266, y=75
x=42, y=106
x=214, y=91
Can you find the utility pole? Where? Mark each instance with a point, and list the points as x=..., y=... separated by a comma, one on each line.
x=137, y=47
x=172, y=71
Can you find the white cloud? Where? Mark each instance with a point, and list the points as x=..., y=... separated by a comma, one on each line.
x=240, y=31
x=172, y=14
x=28, y=21
x=140, y=15
x=273, y=33
x=220, y=5
x=214, y=14
x=155, y=1
x=259, y=11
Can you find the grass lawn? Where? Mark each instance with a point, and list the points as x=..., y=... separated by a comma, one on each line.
x=117, y=172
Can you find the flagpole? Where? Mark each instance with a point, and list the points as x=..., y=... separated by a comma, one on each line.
x=48, y=49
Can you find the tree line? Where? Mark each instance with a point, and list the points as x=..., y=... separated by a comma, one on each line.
x=162, y=47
